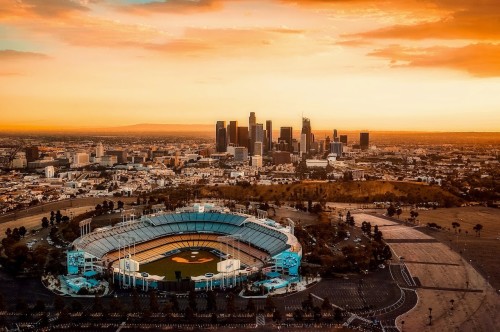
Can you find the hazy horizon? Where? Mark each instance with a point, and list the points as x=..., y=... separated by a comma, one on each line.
x=380, y=65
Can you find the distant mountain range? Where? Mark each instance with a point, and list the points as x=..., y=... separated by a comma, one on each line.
x=157, y=128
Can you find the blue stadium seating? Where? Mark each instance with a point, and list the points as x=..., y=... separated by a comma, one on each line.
x=263, y=237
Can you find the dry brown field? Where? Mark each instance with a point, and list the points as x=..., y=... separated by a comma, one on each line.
x=468, y=217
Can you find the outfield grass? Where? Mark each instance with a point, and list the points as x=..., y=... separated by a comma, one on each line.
x=168, y=265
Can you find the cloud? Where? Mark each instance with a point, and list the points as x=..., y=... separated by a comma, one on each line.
x=172, y=6
x=459, y=19
x=20, y=55
x=41, y=8
x=480, y=60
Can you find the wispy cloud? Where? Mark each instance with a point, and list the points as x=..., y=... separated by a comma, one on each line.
x=20, y=55
x=481, y=60
x=171, y=6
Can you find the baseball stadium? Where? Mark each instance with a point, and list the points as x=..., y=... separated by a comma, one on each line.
x=203, y=246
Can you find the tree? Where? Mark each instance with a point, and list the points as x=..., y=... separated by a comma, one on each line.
x=298, y=315
x=76, y=306
x=192, y=300
x=250, y=306
x=59, y=303
x=337, y=314
x=39, y=306
x=175, y=303
x=120, y=205
x=399, y=211
x=230, y=307
x=478, y=229
x=111, y=205
x=326, y=305
x=105, y=205
x=97, y=306
x=308, y=303
x=2, y=302
x=58, y=217
x=211, y=301
x=136, y=302
x=317, y=314
x=45, y=222
x=189, y=314
x=153, y=302
x=391, y=210
x=270, y=306
x=115, y=305
x=277, y=316
x=22, y=231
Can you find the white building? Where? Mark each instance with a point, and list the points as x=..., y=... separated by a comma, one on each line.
x=99, y=150
x=316, y=163
x=80, y=159
x=256, y=161
x=49, y=172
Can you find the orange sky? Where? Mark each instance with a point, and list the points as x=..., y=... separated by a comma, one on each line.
x=347, y=64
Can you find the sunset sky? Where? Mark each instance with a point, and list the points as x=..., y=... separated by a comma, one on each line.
x=347, y=64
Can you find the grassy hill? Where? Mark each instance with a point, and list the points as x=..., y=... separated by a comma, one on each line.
x=349, y=192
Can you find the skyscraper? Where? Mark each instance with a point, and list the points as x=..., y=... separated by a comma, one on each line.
x=99, y=150
x=257, y=136
x=335, y=136
x=243, y=136
x=252, y=120
x=336, y=148
x=220, y=136
x=269, y=135
x=233, y=132
x=286, y=135
x=364, y=141
x=306, y=130
x=343, y=139
x=31, y=153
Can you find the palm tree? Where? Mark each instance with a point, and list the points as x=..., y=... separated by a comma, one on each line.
x=478, y=229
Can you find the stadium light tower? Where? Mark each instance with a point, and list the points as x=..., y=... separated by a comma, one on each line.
x=126, y=249
x=232, y=249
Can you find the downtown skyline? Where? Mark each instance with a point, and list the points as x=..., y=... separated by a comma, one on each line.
x=344, y=64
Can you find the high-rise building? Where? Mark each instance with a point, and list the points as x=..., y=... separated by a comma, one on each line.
x=286, y=135
x=256, y=136
x=303, y=144
x=99, y=150
x=121, y=155
x=364, y=141
x=281, y=157
x=252, y=121
x=243, y=136
x=336, y=148
x=343, y=139
x=220, y=136
x=233, y=132
x=80, y=159
x=240, y=154
x=306, y=130
x=269, y=135
x=335, y=137
x=258, y=148
x=32, y=153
